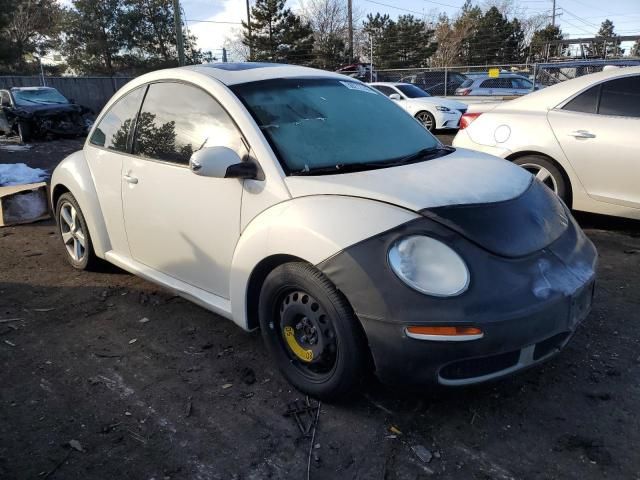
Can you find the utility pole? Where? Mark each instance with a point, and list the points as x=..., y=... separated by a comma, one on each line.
x=179, y=40
x=249, y=30
x=553, y=14
x=350, y=19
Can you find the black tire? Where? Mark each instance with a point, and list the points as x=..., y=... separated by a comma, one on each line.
x=24, y=131
x=426, y=119
x=88, y=259
x=555, y=180
x=339, y=355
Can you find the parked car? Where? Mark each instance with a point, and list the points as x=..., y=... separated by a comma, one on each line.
x=40, y=111
x=433, y=81
x=506, y=84
x=304, y=203
x=432, y=112
x=359, y=71
x=578, y=137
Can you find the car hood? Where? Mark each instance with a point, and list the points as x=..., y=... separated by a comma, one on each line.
x=460, y=178
x=445, y=102
x=490, y=201
x=48, y=108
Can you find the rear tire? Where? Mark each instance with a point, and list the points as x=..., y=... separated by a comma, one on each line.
x=547, y=172
x=311, y=332
x=74, y=234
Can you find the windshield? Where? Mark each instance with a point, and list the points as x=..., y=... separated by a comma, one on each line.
x=40, y=96
x=412, y=91
x=323, y=123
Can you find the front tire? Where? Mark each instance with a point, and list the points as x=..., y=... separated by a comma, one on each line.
x=427, y=120
x=547, y=172
x=73, y=231
x=311, y=332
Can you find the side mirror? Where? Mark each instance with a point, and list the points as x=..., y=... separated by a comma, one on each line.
x=221, y=162
x=395, y=96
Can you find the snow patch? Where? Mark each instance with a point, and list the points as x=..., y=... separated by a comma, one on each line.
x=20, y=174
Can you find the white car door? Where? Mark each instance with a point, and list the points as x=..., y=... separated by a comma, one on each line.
x=179, y=223
x=597, y=131
x=105, y=151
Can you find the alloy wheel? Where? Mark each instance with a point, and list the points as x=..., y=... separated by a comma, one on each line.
x=542, y=174
x=73, y=236
x=426, y=119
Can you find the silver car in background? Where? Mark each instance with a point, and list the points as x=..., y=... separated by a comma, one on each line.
x=505, y=84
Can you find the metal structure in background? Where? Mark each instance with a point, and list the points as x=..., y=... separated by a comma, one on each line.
x=95, y=92
x=179, y=38
x=443, y=81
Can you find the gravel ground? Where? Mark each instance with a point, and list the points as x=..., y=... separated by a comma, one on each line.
x=105, y=375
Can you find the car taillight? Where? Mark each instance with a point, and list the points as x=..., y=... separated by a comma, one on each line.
x=463, y=91
x=468, y=118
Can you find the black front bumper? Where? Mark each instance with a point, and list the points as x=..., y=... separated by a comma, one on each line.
x=527, y=307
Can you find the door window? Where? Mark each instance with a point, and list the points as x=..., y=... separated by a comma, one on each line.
x=177, y=120
x=621, y=97
x=114, y=130
x=521, y=83
x=586, y=102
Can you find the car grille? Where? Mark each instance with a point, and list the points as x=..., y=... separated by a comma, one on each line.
x=478, y=367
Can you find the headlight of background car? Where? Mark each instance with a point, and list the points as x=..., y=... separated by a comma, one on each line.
x=429, y=266
x=442, y=109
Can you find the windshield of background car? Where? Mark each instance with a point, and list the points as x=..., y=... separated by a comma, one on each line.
x=41, y=96
x=412, y=91
x=316, y=123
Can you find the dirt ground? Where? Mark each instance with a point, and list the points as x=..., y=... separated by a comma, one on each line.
x=106, y=376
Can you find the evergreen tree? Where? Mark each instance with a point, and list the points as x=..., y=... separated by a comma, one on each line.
x=277, y=34
x=539, y=47
x=608, y=47
x=407, y=42
x=635, y=50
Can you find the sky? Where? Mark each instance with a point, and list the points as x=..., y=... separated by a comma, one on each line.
x=577, y=18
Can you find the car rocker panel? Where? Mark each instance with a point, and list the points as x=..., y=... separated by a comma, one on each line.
x=523, y=302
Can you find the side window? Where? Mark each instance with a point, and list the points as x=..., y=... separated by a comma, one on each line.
x=621, y=97
x=5, y=100
x=115, y=127
x=384, y=89
x=490, y=83
x=586, y=102
x=521, y=83
x=176, y=120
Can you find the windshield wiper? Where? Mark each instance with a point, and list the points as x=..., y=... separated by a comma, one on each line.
x=423, y=154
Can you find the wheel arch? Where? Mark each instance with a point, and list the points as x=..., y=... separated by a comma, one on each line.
x=516, y=155
x=308, y=229
x=74, y=176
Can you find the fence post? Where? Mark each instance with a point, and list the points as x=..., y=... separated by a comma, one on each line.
x=371, y=61
x=535, y=76
x=446, y=83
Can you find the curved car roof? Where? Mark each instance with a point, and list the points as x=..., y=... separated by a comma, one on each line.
x=234, y=73
x=552, y=96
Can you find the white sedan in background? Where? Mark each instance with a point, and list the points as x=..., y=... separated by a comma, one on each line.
x=432, y=112
x=579, y=137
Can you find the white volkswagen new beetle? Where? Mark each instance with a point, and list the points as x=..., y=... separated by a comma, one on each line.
x=309, y=205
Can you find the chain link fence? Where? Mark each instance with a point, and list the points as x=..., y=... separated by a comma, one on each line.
x=446, y=80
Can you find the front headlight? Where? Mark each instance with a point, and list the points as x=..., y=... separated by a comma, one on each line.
x=440, y=108
x=429, y=266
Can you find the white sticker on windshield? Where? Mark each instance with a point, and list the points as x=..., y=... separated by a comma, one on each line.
x=357, y=86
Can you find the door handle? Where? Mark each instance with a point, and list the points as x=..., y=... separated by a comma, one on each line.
x=582, y=134
x=130, y=179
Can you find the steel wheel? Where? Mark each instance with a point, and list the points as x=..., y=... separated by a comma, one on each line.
x=426, y=119
x=73, y=236
x=307, y=334
x=542, y=174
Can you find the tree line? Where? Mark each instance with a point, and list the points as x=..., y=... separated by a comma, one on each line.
x=92, y=37
x=109, y=37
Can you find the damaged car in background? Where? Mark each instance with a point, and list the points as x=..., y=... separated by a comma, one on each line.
x=41, y=112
